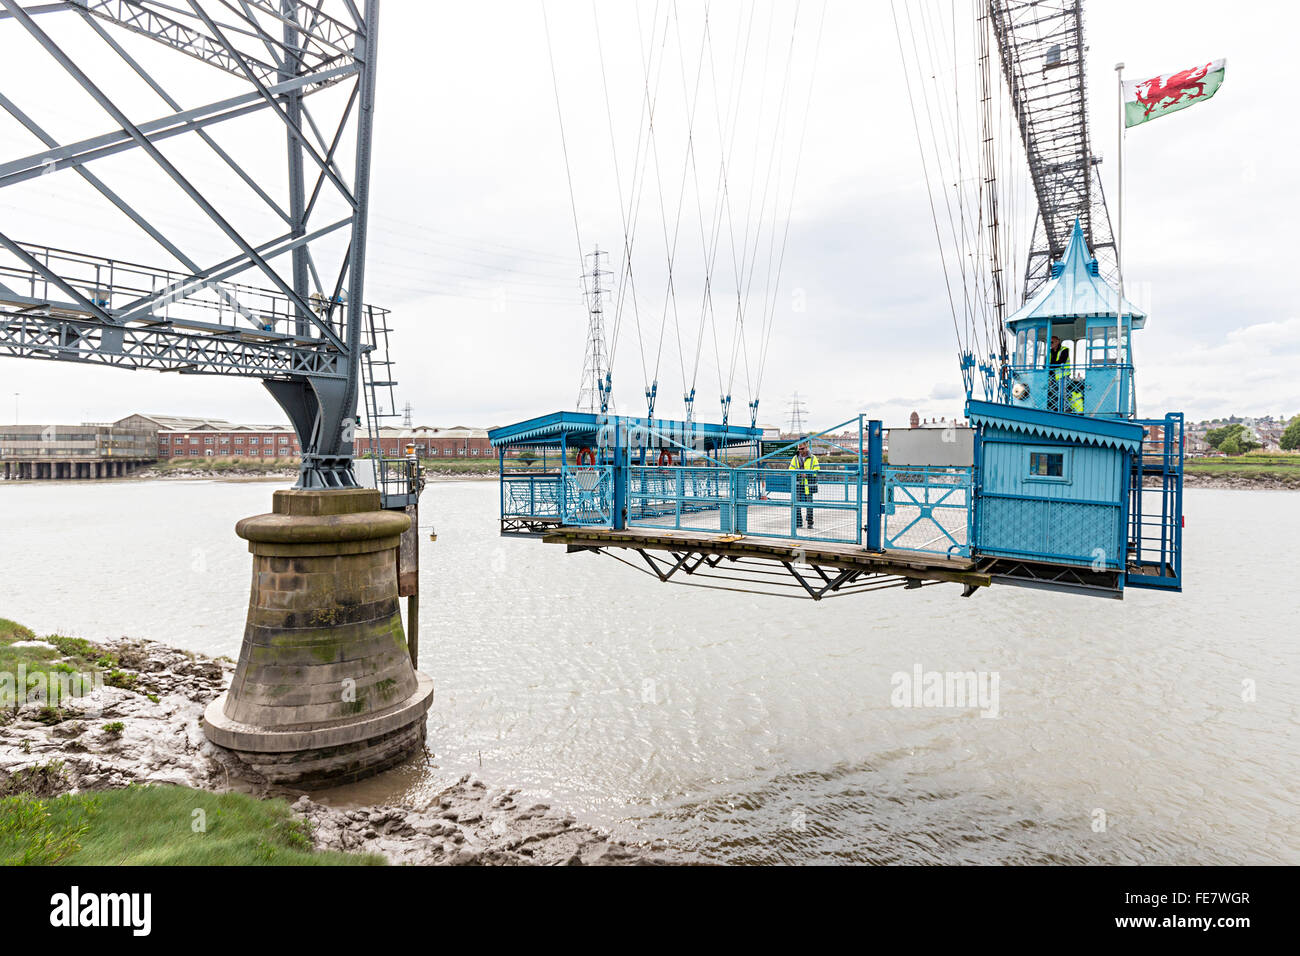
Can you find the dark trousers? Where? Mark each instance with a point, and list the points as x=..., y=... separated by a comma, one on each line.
x=802, y=494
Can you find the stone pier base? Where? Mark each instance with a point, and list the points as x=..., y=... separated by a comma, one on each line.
x=324, y=691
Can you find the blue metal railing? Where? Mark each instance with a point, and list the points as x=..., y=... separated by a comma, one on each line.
x=587, y=495
x=761, y=497
x=530, y=496
x=928, y=508
x=823, y=505
x=1104, y=390
x=774, y=500
x=1155, y=534
x=677, y=497
x=839, y=502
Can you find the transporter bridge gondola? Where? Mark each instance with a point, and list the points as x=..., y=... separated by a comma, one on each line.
x=1052, y=482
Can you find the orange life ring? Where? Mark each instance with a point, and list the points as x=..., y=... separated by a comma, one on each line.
x=665, y=457
x=590, y=456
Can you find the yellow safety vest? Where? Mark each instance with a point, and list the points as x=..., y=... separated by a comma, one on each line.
x=1068, y=389
x=1075, y=397
x=809, y=464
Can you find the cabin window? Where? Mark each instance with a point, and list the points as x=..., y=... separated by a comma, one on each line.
x=1103, y=345
x=1047, y=465
x=1031, y=348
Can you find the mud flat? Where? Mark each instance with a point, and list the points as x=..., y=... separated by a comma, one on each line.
x=144, y=728
x=1237, y=482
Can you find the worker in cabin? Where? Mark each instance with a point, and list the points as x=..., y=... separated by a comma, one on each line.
x=1058, y=361
x=805, y=485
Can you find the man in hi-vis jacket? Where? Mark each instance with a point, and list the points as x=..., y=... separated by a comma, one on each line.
x=805, y=485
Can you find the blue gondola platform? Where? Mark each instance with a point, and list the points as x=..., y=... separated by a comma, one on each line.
x=1055, y=484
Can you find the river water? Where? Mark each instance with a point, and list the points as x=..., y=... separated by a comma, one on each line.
x=1160, y=729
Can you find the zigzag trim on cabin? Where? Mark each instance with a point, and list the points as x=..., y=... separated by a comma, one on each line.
x=1066, y=434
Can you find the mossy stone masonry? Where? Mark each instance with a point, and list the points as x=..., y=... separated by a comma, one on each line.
x=324, y=691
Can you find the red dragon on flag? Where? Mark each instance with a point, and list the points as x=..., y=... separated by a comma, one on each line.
x=1147, y=99
x=1152, y=92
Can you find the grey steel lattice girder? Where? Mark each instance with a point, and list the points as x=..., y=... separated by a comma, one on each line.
x=304, y=338
x=1042, y=50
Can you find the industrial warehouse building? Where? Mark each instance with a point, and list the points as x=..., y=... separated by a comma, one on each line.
x=88, y=450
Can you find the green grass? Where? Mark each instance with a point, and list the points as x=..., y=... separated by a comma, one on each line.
x=31, y=836
x=459, y=466
x=1253, y=465
x=159, y=826
x=13, y=631
x=70, y=655
x=222, y=466
x=138, y=825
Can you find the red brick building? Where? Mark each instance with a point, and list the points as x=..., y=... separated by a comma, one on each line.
x=429, y=442
x=214, y=438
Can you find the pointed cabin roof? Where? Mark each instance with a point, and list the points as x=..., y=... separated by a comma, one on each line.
x=1075, y=291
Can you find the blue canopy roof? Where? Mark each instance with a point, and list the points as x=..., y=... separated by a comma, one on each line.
x=1076, y=291
x=581, y=427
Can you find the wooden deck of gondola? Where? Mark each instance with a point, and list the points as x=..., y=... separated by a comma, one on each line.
x=912, y=568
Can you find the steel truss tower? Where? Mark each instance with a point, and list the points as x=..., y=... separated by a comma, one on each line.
x=303, y=328
x=798, y=409
x=1042, y=49
x=593, y=391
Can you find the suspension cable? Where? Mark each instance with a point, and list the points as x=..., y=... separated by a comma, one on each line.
x=934, y=216
x=785, y=236
x=564, y=143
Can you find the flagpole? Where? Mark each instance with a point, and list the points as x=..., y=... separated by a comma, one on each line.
x=1119, y=239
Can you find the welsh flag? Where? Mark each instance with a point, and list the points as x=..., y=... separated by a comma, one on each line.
x=1144, y=100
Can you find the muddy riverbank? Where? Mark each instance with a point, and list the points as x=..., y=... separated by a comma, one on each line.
x=144, y=728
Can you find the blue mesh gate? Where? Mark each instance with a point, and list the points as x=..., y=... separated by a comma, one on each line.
x=587, y=495
x=928, y=508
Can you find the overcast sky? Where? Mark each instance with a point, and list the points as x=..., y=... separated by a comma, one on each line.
x=473, y=242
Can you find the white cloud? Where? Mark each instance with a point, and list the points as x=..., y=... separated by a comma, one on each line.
x=473, y=241
x=1252, y=370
